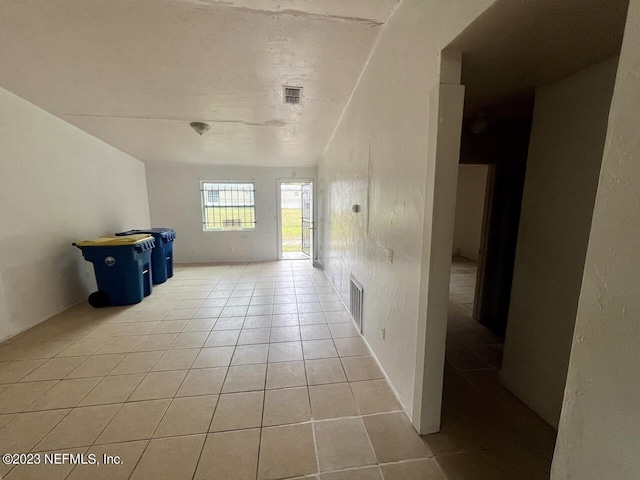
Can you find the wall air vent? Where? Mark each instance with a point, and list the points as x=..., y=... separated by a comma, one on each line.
x=292, y=95
x=355, y=301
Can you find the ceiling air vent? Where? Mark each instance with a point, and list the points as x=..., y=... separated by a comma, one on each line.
x=292, y=95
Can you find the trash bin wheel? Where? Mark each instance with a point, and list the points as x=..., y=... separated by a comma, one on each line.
x=99, y=299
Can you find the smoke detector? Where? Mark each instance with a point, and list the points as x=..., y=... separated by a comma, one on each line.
x=200, y=128
x=292, y=95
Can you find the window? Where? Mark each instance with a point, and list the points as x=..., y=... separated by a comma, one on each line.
x=213, y=197
x=228, y=206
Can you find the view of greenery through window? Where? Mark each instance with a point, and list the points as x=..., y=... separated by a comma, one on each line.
x=291, y=230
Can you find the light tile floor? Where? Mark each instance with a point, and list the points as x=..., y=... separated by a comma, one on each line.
x=254, y=371
x=229, y=372
x=486, y=432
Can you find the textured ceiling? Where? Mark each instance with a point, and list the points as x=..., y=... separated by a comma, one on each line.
x=135, y=73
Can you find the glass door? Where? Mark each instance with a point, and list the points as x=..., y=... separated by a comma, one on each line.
x=307, y=219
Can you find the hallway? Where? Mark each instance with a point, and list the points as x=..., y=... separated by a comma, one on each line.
x=239, y=371
x=486, y=432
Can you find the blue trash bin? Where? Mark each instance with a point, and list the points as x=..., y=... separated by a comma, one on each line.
x=162, y=254
x=122, y=266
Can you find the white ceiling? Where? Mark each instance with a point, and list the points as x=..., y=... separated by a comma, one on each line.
x=136, y=72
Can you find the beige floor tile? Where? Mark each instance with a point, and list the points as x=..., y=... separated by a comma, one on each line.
x=129, y=454
x=25, y=430
x=190, y=304
x=84, y=346
x=54, y=369
x=393, y=438
x=200, y=325
x=342, y=443
x=324, y=370
x=214, y=357
x=332, y=401
x=285, y=334
x=187, y=416
x=45, y=471
x=121, y=344
x=361, y=368
x=453, y=437
x=155, y=342
x=522, y=462
x=476, y=465
x=180, y=314
x=176, y=360
x=285, y=352
x=157, y=385
x=315, y=332
x=286, y=452
x=285, y=320
x=113, y=389
x=286, y=406
x=337, y=317
x=254, y=336
x=20, y=395
x=30, y=351
x=314, y=349
x=202, y=381
x=374, y=396
x=169, y=326
x=222, y=338
x=250, y=354
x=465, y=359
x=65, y=394
x=315, y=318
x=141, y=328
x=257, y=321
x=189, y=340
x=12, y=372
x=286, y=374
x=351, y=346
x=426, y=469
x=229, y=456
x=368, y=473
x=229, y=323
x=97, y=365
x=237, y=411
x=245, y=378
x=138, y=362
x=175, y=458
x=134, y=421
x=343, y=330
x=6, y=418
x=79, y=428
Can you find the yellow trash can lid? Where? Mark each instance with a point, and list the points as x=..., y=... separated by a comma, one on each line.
x=114, y=241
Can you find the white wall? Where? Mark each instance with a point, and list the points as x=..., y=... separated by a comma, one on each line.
x=599, y=435
x=377, y=159
x=175, y=202
x=57, y=185
x=563, y=166
x=472, y=186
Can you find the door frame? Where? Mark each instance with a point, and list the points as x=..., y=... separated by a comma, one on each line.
x=446, y=102
x=314, y=230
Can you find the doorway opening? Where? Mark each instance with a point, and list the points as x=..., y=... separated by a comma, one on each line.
x=535, y=114
x=295, y=220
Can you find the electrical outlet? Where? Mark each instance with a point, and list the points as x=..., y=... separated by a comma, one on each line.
x=383, y=333
x=390, y=252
